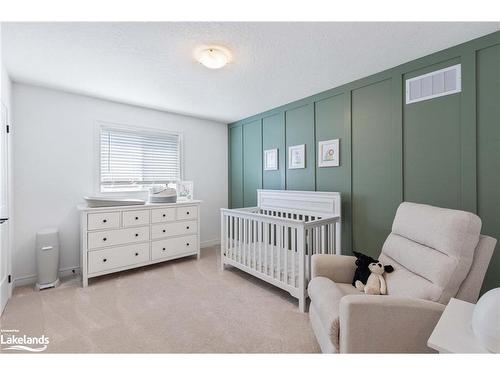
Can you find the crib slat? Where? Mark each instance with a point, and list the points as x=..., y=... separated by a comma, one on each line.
x=253, y=261
x=261, y=239
x=294, y=254
x=240, y=238
x=285, y=260
x=266, y=246
x=302, y=266
x=273, y=247
x=330, y=239
x=245, y=241
x=278, y=255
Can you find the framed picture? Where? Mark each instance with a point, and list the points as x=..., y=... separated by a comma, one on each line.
x=328, y=153
x=271, y=160
x=297, y=157
x=185, y=190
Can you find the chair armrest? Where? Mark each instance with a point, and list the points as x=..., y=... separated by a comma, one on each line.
x=338, y=268
x=386, y=324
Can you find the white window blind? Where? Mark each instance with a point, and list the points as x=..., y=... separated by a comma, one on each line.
x=131, y=159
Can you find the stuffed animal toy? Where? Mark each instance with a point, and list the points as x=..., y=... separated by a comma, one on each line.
x=362, y=272
x=376, y=283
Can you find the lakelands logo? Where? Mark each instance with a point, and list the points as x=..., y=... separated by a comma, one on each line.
x=12, y=340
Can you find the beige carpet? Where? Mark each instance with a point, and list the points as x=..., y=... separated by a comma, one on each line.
x=182, y=306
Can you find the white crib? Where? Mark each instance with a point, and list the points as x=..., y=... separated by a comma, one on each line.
x=275, y=241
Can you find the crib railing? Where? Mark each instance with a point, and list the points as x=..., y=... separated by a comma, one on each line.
x=277, y=246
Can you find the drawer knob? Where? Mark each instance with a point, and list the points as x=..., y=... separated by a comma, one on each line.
x=104, y=239
x=104, y=260
x=137, y=234
x=164, y=249
x=187, y=227
x=164, y=215
x=187, y=212
x=136, y=254
x=137, y=218
x=104, y=221
x=164, y=230
x=187, y=244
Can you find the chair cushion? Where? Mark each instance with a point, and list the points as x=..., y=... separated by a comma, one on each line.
x=431, y=250
x=325, y=295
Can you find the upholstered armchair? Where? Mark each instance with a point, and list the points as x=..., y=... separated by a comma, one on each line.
x=436, y=253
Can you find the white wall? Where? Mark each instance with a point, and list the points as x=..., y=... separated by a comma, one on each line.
x=54, y=165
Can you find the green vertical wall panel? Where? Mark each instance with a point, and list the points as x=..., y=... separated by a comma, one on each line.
x=273, y=136
x=252, y=162
x=330, y=123
x=373, y=174
x=488, y=131
x=300, y=130
x=236, y=167
x=444, y=151
x=432, y=148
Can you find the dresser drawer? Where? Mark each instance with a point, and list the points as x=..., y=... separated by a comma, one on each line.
x=104, y=220
x=161, y=215
x=173, y=246
x=135, y=218
x=174, y=229
x=117, y=237
x=116, y=257
x=188, y=212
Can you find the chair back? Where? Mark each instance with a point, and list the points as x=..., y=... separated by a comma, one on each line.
x=432, y=251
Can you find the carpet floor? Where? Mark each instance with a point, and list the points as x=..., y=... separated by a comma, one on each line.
x=181, y=306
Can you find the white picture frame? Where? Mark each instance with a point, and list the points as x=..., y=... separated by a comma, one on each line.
x=329, y=153
x=297, y=157
x=185, y=190
x=271, y=160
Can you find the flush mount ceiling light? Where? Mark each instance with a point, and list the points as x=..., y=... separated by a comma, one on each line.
x=213, y=57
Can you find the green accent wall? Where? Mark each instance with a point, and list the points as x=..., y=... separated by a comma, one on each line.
x=443, y=151
x=252, y=162
x=432, y=148
x=330, y=123
x=488, y=166
x=236, y=166
x=273, y=136
x=299, y=125
x=374, y=173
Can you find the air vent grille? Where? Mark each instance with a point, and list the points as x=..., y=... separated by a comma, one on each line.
x=432, y=85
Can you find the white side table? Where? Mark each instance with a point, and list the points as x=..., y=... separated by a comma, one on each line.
x=453, y=332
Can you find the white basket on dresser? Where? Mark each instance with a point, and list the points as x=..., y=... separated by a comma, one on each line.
x=118, y=238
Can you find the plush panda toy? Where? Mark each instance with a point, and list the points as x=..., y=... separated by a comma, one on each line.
x=376, y=283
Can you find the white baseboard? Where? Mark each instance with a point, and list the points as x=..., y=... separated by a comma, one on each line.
x=71, y=271
x=209, y=243
x=31, y=279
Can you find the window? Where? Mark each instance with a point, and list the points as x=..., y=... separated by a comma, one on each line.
x=130, y=160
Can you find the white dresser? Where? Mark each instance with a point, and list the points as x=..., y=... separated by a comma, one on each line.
x=118, y=238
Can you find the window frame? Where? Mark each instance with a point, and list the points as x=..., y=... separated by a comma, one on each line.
x=134, y=129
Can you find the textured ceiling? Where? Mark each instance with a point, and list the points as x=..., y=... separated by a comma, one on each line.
x=151, y=64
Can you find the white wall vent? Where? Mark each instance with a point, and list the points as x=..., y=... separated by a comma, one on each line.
x=432, y=85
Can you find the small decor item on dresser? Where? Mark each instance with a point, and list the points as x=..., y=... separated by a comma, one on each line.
x=185, y=191
x=486, y=320
x=328, y=153
x=112, y=202
x=162, y=194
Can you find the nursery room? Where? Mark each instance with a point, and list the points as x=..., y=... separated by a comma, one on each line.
x=197, y=186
